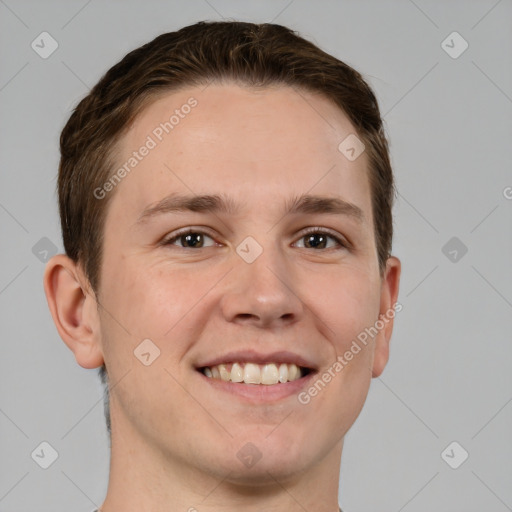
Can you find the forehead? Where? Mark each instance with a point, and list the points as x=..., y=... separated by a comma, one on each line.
x=261, y=144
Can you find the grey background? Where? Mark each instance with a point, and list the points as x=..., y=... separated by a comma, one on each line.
x=450, y=125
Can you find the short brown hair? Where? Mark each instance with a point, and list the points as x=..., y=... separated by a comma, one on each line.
x=246, y=53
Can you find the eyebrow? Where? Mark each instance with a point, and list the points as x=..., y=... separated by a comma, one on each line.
x=220, y=203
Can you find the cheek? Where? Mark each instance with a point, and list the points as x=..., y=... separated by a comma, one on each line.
x=347, y=305
x=170, y=305
x=146, y=299
x=348, y=301
x=143, y=303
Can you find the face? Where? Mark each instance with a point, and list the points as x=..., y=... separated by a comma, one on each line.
x=257, y=270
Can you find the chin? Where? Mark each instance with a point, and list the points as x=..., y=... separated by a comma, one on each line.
x=264, y=473
x=278, y=457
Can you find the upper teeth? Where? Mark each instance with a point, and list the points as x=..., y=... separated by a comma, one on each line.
x=251, y=373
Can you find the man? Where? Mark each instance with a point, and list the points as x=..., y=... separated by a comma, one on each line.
x=225, y=195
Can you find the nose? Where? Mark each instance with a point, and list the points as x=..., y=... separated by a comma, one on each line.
x=262, y=293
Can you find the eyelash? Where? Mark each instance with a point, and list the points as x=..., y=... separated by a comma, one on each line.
x=342, y=244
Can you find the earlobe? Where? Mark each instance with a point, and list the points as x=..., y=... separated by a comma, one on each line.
x=73, y=308
x=388, y=300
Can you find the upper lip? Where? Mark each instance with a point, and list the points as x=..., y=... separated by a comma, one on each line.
x=250, y=356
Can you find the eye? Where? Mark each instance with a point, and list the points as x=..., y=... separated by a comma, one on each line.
x=190, y=239
x=318, y=238
x=315, y=238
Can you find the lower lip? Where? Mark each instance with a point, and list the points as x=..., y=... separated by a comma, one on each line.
x=260, y=393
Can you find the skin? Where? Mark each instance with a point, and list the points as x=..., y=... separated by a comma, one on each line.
x=174, y=437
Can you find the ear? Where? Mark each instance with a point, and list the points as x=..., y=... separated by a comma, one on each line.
x=388, y=298
x=73, y=307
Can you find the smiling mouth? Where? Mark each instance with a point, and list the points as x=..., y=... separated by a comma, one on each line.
x=250, y=373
